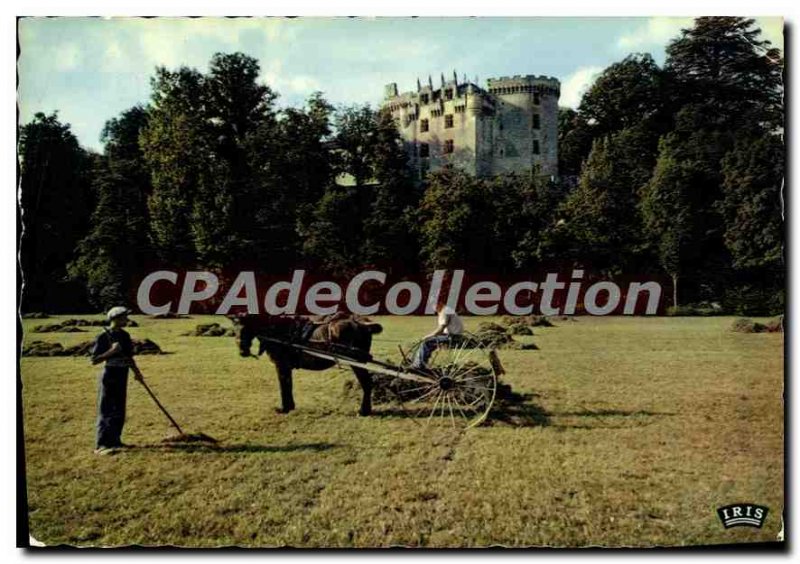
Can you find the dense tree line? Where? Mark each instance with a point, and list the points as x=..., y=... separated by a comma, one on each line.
x=672, y=170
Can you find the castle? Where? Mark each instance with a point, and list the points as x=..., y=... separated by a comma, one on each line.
x=511, y=126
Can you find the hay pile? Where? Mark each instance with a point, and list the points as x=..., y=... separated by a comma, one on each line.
x=746, y=325
x=526, y=322
x=210, y=330
x=170, y=315
x=44, y=348
x=494, y=335
x=74, y=325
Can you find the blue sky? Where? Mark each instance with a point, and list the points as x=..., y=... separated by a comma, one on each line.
x=91, y=69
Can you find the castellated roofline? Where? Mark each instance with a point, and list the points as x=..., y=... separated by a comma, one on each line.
x=491, y=84
x=528, y=78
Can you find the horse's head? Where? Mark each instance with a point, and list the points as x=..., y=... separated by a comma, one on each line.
x=244, y=332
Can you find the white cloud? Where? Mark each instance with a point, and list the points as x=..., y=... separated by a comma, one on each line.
x=67, y=57
x=655, y=32
x=658, y=31
x=576, y=84
x=302, y=84
x=772, y=30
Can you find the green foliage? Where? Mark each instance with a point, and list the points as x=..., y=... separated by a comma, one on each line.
x=723, y=62
x=626, y=94
x=332, y=232
x=451, y=221
x=574, y=141
x=599, y=221
x=675, y=169
x=368, y=223
x=177, y=154
x=752, y=202
x=117, y=246
x=55, y=198
x=667, y=211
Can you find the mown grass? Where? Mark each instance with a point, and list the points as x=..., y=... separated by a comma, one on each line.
x=633, y=432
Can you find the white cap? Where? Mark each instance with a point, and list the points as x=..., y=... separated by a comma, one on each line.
x=117, y=311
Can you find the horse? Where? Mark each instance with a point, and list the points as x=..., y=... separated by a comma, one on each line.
x=340, y=330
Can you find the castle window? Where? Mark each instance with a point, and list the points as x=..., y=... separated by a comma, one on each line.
x=536, y=121
x=436, y=95
x=423, y=125
x=423, y=98
x=448, y=121
x=424, y=150
x=448, y=146
x=448, y=94
x=536, y=99
x=536, y=149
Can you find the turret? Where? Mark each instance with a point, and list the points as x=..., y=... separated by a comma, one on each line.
x=390, y=91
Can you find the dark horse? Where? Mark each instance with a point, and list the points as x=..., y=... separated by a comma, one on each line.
x=348, y=332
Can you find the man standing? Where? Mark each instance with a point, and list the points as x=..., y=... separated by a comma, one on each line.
x=114, y=347
x=449, y=330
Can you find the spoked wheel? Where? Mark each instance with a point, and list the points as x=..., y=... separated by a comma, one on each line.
x=456, y=388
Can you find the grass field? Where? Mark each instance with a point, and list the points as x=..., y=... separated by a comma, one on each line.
x=634, y=432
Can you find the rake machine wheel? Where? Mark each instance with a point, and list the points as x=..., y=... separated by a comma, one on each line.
x=457, y=388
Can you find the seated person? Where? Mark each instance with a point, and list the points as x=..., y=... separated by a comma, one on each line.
x=449, y=330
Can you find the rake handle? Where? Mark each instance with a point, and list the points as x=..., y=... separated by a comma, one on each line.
x=158, y=403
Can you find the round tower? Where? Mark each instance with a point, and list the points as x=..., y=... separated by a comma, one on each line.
x=526, y=123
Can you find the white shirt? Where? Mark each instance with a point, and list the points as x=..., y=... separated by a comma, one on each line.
x=452, y=322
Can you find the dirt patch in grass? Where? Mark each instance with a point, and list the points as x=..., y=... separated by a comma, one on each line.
x=170, y=315
x=527, y=321
x=747, y=325
x=73, y=325
x=44, y=348
x=35, y=315
x=210, y=330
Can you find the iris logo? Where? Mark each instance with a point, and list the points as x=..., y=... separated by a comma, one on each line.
x=742, y=515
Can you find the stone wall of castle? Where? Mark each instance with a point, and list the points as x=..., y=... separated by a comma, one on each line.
x=511, y=126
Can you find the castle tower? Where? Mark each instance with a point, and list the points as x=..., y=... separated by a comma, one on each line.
x=511, y=126
x=526, y=124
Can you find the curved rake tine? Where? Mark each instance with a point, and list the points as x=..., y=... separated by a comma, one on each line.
x=433, y=411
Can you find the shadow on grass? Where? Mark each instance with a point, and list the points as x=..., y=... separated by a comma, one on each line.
x=510, y=408
x=642, y=418
x=234, y=448
x=613, y=413
x=518, y=410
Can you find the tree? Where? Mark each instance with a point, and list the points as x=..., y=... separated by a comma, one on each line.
x=355, y=135
x=633, y=93
x=55, y=200
x=366, y=148
x=599, y=221
x=452, y=220
x=388, y=232
x=293, y=166
x=752, y=202
x=118, y=244
x=574, y=142
x=202, y=147
x=177, y=154
x=332, y=232
x=670, y=213
x=721, y=62
x=627, y=94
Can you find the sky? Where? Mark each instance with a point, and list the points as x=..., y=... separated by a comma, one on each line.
x=91, y=69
